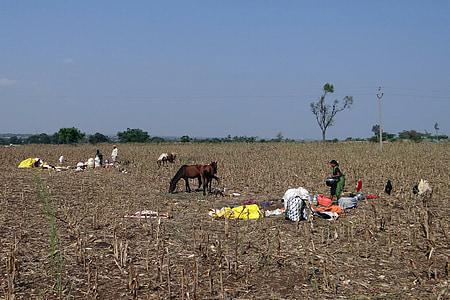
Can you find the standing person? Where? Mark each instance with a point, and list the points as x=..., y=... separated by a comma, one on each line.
x=337, y=188
x=114, y=154
x=99, y=159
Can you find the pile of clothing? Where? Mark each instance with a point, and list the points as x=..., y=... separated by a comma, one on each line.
x=301, y=205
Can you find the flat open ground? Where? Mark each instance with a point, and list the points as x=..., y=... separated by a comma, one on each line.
x=63, y=234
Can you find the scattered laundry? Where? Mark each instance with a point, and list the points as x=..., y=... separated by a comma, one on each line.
x=146, y=214
x=243, y=212
x=296, y=204
x=358, y=186
x=323, y=201
x=265, y=204
x=348, y=202
x=333, y=208
x=424, y=187
x=275, y=212
x=31, y=162
x=328, y=215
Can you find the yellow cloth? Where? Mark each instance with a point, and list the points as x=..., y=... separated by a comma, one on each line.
x=28, y=163
x=245, y=212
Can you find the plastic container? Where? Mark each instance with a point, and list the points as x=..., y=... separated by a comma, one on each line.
x=330, y=181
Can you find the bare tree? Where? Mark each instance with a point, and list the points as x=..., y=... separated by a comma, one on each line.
x=436, y=128
x=324, y=112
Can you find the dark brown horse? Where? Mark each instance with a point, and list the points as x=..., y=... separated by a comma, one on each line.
x=208, y=174
x=204, y=174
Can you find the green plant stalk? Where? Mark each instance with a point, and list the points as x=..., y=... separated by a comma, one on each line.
x=57, y=259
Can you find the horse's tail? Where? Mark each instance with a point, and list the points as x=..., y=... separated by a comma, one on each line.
x=180, y=173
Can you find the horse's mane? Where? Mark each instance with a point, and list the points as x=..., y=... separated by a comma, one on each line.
x=178, y=174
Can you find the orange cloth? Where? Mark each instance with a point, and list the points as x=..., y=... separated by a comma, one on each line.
x=334, y=208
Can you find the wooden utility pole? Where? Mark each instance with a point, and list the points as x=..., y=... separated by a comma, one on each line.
x=380, y=131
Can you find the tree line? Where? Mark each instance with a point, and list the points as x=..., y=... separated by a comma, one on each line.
x=135, y=135
x=73, y=135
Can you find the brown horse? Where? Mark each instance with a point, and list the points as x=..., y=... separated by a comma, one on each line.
x=204, y=174
x=208, y=173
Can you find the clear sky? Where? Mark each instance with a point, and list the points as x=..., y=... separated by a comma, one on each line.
x=213, y=68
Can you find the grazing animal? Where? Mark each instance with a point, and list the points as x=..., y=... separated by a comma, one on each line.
x=166, y=157
x=203, y=173
x=208, y=174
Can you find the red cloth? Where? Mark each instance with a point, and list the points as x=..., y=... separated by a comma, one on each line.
x=359, y=186
x=371, y=196
x=323, y=201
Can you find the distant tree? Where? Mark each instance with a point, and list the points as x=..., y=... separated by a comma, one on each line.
x=42, y=138
x=15, y=140
x=325, y=113
x=436, y=128
x=98, y=138
x=411, y=135
x=279, y=137
x=70, y=136
x=133, y=136
x=55, y=138
x=215, y=140
x=185, y=139
x=157, y=139
x=376, y=129
x=3, y=141
x=245, y=139
x=386, y=136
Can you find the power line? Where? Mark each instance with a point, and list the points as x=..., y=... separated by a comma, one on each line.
x=296, y=97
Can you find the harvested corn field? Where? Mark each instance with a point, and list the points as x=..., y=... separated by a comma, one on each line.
x=65, y=234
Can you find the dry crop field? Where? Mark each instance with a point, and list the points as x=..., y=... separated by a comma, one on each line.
x=64, y=235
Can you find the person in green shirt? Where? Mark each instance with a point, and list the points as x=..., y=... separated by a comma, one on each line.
x=337, y=188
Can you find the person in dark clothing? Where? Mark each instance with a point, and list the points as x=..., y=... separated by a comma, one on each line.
x=100, y=156
x=337, y=188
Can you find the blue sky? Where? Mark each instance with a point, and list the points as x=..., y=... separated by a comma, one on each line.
x=213, y=68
